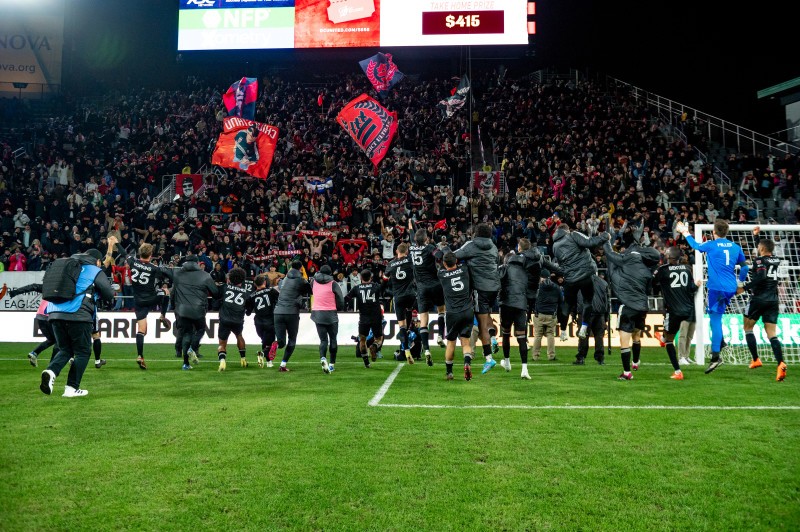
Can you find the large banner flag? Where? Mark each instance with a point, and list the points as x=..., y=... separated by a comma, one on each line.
x=381, y=72
x=450, y=105
x=246, y=145
x=240, y=99
x=187, y=185
x=489, y=183
x=371, y=126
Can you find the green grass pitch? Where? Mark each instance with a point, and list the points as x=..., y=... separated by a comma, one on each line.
x=255, y=449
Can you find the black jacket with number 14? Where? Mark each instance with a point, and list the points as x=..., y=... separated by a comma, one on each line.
x=367, y=296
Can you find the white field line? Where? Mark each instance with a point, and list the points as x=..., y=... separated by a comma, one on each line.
x=585, y=407
x=385, y=387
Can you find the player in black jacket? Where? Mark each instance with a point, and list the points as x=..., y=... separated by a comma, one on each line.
x=429, y=291
x=514, y=309
x=460, y=316
x=370, y=315
x=144, y=278
x=400, y=274
x=598, y=324
x=262, y=303
x=231, y=317
x=764, y=303
x=678, y=288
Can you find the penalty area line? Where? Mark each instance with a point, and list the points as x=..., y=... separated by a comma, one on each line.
x=385, y=387
x=577, y=407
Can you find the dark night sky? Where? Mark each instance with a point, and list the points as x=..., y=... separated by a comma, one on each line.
x=708, y=55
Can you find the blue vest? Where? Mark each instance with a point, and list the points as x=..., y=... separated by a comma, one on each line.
x=85, y=281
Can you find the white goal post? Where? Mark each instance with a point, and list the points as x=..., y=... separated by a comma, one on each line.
x=787, y=240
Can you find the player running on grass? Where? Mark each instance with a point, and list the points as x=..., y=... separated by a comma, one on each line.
x=370, y=315
x=460, y=315
x=231, y=317
x=400, y=274
x=678, y=288
x=764, y=303
x=722, y=256
x=262, y=303
x=514, y=309
x=429, y=291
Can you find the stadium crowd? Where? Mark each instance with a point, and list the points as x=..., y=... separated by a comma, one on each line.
x=576, y=151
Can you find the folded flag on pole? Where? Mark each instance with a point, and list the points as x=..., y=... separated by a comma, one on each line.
x=453, y=103
x=246, y=146
x=240, y=99
x=381, y=72
x=371, y=126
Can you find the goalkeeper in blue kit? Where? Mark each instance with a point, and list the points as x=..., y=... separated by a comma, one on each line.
x=722, y=257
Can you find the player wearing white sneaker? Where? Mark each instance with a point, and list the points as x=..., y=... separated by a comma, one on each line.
x=514, y=308
x=231, y=316
x=328, y=298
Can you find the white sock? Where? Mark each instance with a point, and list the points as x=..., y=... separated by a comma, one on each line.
x=488, y=358
x=283, y=364
x=525, y=368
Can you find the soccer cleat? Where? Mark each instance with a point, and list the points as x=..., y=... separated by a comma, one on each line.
x=713, y=365
x=525, y=375
x=223, y=365
x=330, y=368
x=99, y=363
x=781, y=372
x=365, y=358
x=755, y=364
x=140, y=361
x=583, y=331
x=449, y=376
x=440, y=342
x=272, y=350
x=243, y=362
x=69, y=391
x=409, y=358
x=635, y=366
x=178, y=354
x=326, y=369
x=506, y=364
x=260, y=358
x=579, y=361
x=564, y=336
x=192, y=356
x=495, y=345
x=601, y=359
x=678, y=376
x=373, y=352
x=269, y=363
x=428, y=358
x=685, y=362
x=48, y=380
x=625, y=376
x=467, y=372
x=186, y=367
x=488, y=365
x=33, y=359
x=284, y=369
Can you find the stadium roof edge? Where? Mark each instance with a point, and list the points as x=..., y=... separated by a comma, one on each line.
x=780, y=87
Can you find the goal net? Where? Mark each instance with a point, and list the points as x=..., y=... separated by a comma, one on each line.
x=787, y=244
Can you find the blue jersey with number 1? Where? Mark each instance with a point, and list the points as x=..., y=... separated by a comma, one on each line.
x=722, y=256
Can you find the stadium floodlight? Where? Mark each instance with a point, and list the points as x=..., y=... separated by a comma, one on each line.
x=787, y=248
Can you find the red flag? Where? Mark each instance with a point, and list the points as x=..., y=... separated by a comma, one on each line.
x=441, y=225
x=246, y=145
x=371, y=126
x=320, y=100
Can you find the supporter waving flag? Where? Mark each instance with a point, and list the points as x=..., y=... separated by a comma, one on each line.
x=456, y=101
x=246, y=145
x=381, y=72
x=371, y=126
x=240, y=99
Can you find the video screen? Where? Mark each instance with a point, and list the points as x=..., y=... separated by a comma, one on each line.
x=270, y=24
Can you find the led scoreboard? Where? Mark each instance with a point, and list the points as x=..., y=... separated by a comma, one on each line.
x=265, y=24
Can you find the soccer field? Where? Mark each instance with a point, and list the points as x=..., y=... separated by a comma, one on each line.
x=397, y=447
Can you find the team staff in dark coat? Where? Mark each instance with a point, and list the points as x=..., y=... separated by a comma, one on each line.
x=631, y=273
x=287, y=310
x=571, y=249
x=72, y=324
x=480, y=255
x=191, y=287
x=598, y=324
x=514, y=309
